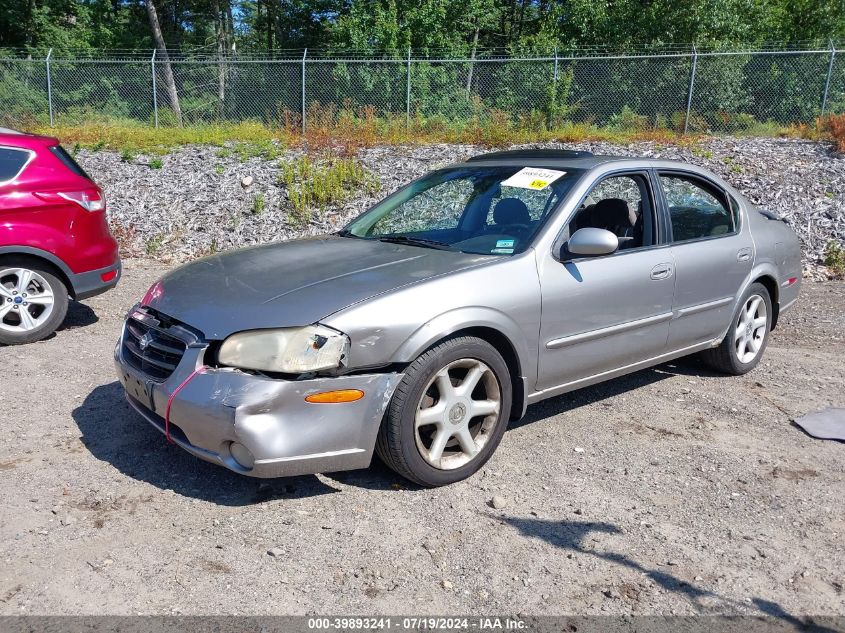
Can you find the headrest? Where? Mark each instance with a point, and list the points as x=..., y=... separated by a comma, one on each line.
x=612, y=213
x=511, y=211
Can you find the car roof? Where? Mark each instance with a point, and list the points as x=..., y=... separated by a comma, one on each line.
x=586, y=161
x=16, y=138
x=545, y=157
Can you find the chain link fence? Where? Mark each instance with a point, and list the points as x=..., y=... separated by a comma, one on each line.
x=697, y=91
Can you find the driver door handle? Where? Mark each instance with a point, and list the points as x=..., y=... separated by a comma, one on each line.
x=661, y=271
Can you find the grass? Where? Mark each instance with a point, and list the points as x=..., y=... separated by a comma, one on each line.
x=258, y=204
x=127, y=155
x=138, y=137
x=266, y=150
x=315, y=184
x=156, y=163
x=344, y=130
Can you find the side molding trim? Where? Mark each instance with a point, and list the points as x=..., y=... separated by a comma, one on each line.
x=701, y=307
x=608, y=331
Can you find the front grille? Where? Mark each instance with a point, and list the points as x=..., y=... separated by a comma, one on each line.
x=151, y=350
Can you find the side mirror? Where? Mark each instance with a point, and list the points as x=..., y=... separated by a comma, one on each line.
x=592, y=241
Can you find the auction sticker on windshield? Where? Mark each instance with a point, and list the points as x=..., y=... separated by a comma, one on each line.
x=533, y=178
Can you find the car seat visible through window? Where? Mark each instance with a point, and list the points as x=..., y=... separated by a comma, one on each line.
x=614, y=215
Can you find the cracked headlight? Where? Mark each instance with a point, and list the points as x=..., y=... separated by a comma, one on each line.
x=288, y=350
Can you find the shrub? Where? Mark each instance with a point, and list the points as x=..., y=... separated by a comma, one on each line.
x=627, y=119
x=834, y=258
x=154, y=244
x=834, y=126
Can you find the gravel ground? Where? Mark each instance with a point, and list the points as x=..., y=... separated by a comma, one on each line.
x=195, y=203
x=672, y=490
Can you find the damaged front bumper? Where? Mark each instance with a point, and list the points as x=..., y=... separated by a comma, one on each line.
x=286, y=435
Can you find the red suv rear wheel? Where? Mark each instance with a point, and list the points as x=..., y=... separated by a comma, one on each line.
x=33, y=300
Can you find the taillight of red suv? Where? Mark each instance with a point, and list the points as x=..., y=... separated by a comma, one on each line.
x=88, y=199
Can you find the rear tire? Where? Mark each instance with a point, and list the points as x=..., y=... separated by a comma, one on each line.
x=746, y=340
x=448, y=414
x=33, y=301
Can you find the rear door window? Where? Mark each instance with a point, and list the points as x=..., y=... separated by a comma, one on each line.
x=62, y=154
x=12, y=162
x=697, y=210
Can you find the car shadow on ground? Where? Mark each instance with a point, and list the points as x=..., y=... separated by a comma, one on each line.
x=611, y=388
x=115, y=433
x=78, y=315
x=576, y=536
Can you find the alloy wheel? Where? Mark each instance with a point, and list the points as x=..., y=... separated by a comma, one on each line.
x=750, y=329
x=26, y=300
x=457, y=413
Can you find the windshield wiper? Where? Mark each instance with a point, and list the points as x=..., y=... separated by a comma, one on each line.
x=416, y=241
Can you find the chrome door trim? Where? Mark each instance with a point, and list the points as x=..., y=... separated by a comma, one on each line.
x=607, y=331
x=701, y=307
x=619, y=371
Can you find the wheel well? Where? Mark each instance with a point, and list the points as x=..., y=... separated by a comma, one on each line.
x=43, y=263
x=506, y=349
x=772, y=286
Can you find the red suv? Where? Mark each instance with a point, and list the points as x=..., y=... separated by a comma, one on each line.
x=54, y=237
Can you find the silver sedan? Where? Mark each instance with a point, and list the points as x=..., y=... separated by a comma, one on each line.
x=424, y=327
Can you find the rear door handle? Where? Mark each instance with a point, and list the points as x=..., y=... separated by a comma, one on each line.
x=661, y=271
x=743, y=255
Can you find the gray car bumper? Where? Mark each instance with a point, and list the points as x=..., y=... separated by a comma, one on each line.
x=270, y=417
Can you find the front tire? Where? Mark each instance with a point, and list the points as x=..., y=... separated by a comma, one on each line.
x=448, y=413
x=33, y=301
x=746, y=340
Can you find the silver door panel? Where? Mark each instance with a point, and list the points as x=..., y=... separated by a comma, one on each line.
x=602, y=313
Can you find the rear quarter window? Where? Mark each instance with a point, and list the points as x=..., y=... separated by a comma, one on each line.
x=12, y=162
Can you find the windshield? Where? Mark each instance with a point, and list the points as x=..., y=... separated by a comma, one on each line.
x=472, y=208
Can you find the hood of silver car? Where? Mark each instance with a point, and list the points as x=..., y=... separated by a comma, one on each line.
x=293, y=283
